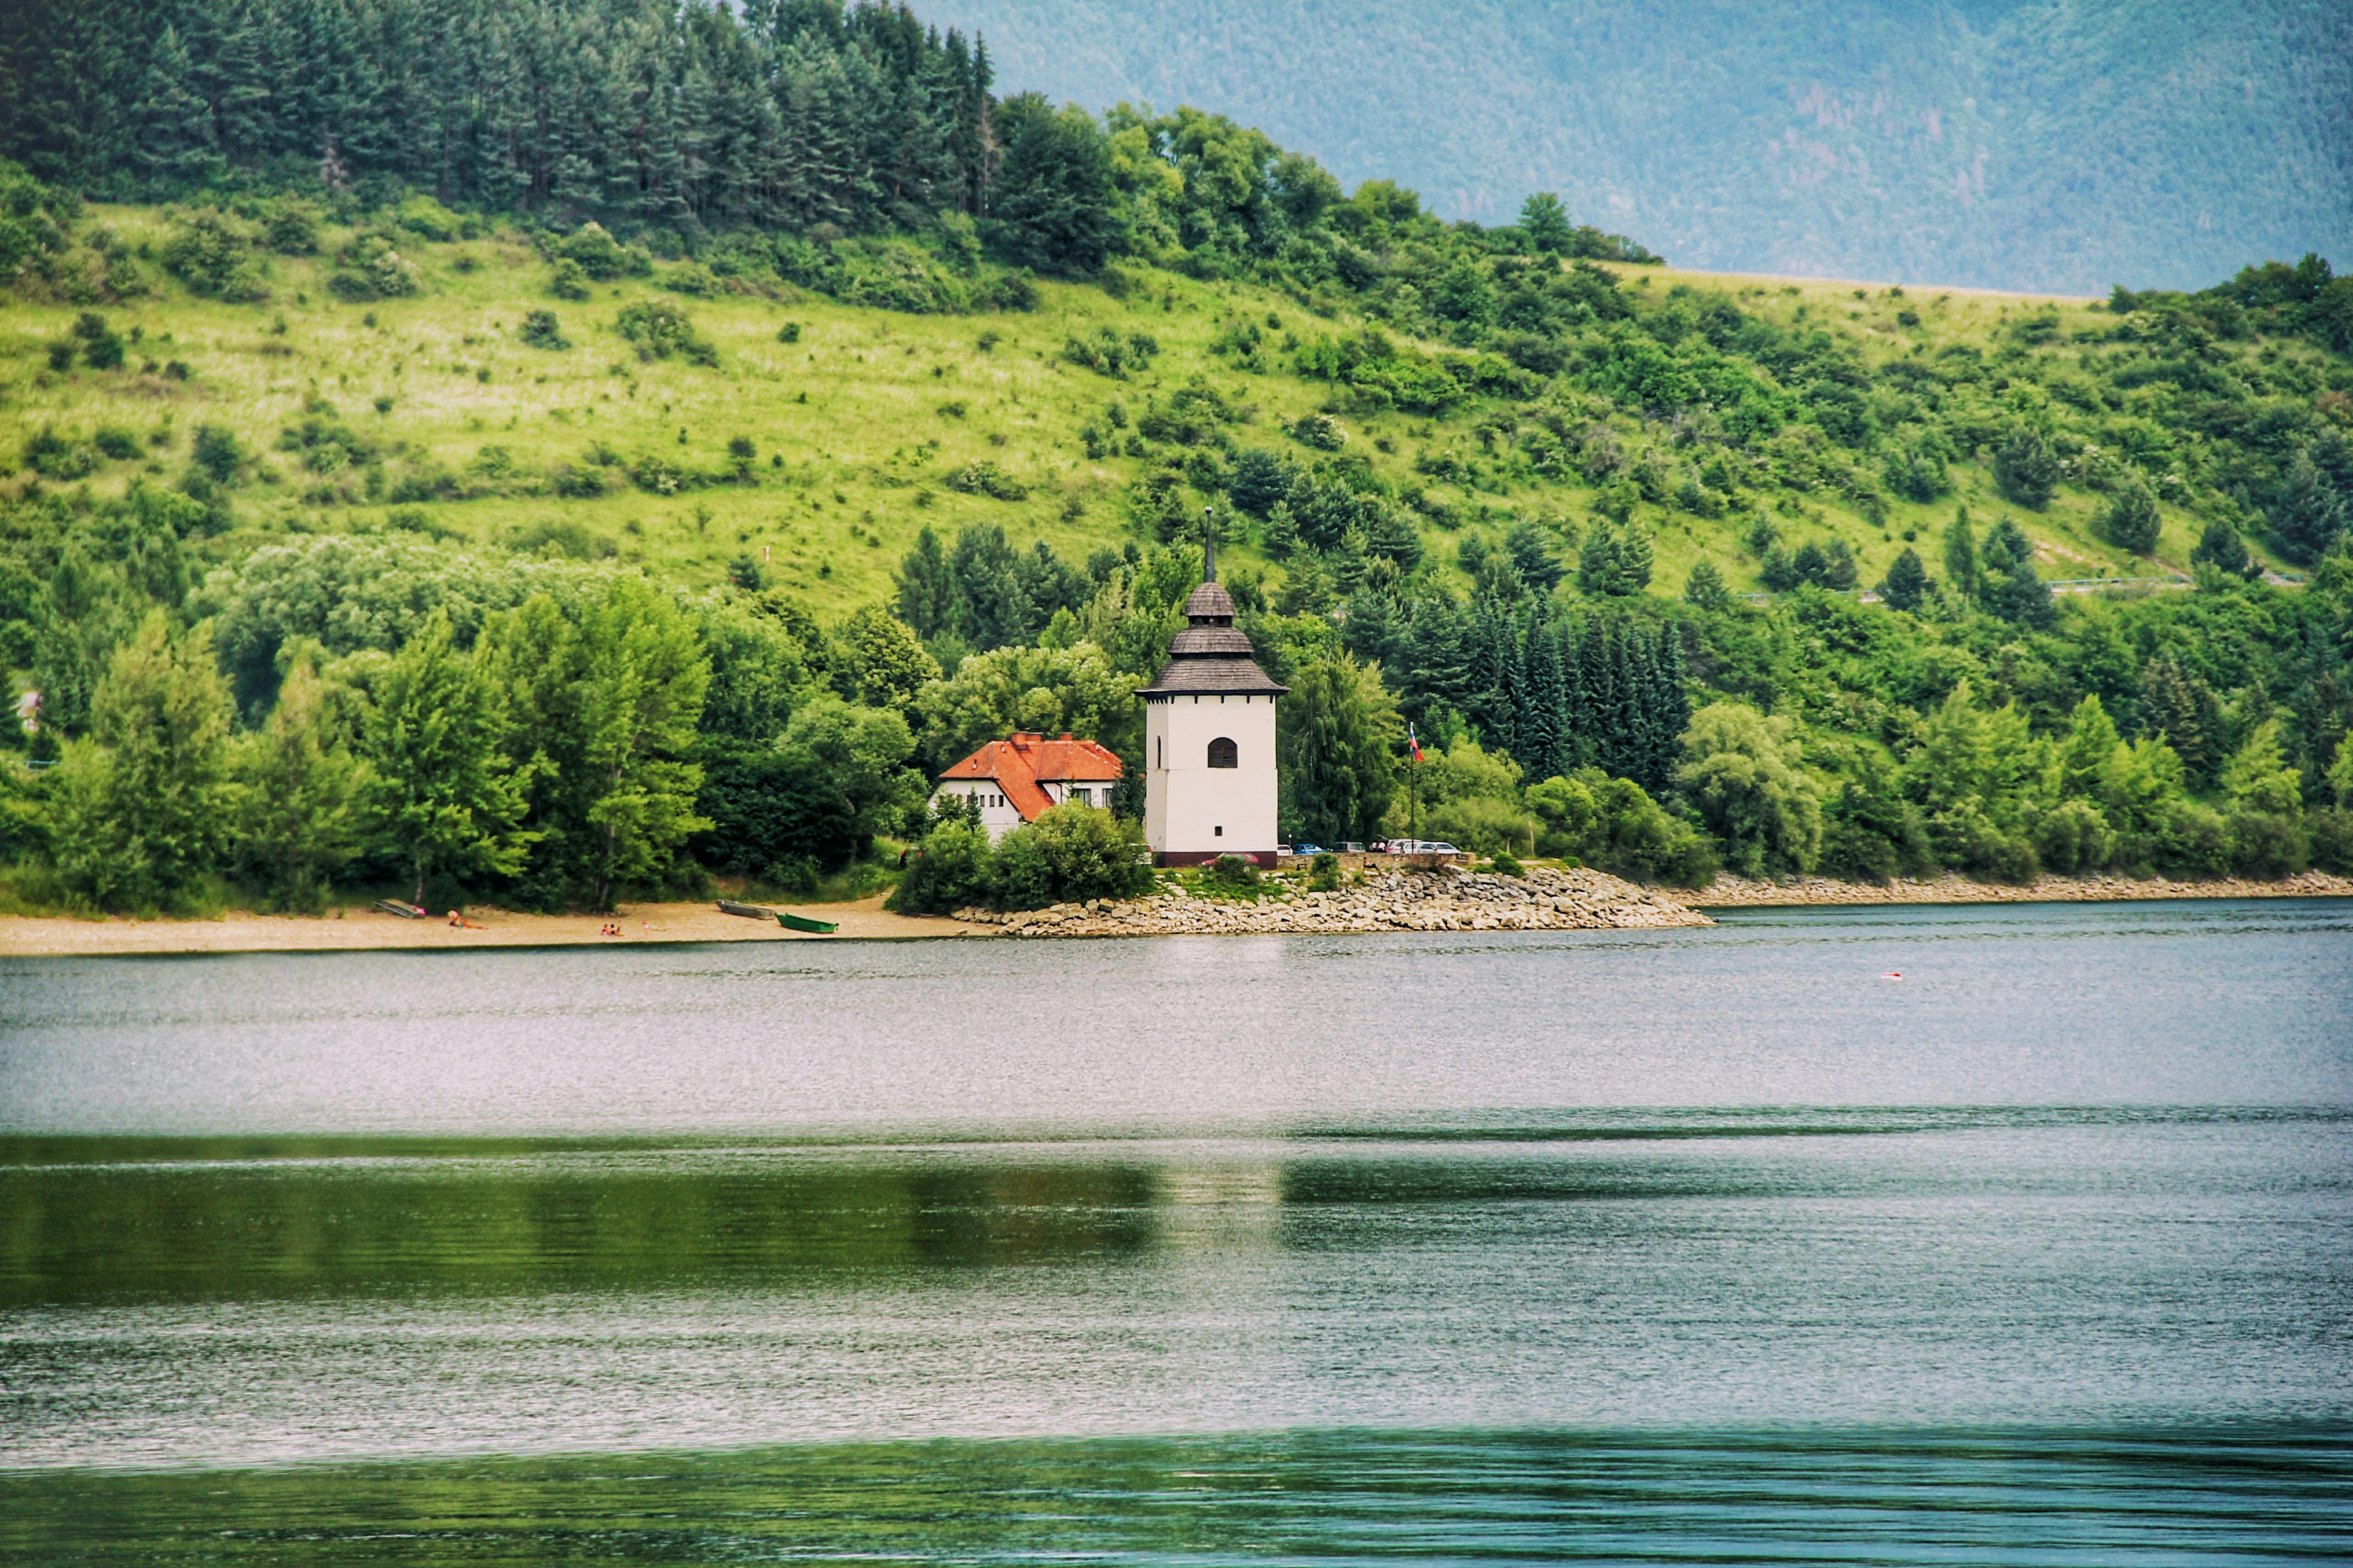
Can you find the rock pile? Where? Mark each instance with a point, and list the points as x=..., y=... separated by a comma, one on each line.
x=1447, y=899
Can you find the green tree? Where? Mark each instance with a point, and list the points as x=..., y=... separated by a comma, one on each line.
x=299, y=822
x=1615, y=825
x=880, y=660
x=927, y=587
x=2131, y=522
x=2220, y=548
x=1961, y=555
x=811, y=803
x=143, y=804
x=1743, y=774
x=1337, y=752
x=949, y=870
x=1615, y=560
x=1070, y=853
x=444, y=796
x=1974, y=774
x=2307, y=515
x=2265, y=818
x=1546, y=223
x=1046, y=690
x=1706, y=587
x=1051, y=208
x=2024, y=467
x=1906, y=586
x=643, y=677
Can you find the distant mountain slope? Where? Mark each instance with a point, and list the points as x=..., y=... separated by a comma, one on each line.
x=2049, y=144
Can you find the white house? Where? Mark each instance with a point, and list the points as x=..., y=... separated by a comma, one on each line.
x=1015, y=779
x=1208, y=739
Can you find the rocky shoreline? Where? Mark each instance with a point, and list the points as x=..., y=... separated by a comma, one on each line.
x=1442, y=899
x=1739, y=892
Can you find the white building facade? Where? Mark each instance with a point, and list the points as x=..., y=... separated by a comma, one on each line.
x=1014, y=779
x=1208, y=741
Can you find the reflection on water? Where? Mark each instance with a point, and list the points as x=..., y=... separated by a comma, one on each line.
x=1968, y=1497
x=1403, y=1270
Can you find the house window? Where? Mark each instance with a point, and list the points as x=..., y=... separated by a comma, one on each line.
x=1222, y=753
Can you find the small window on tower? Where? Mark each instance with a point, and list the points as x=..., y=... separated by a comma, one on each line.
x=1222, y=753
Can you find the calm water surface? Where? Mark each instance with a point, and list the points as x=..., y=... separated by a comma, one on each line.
x=1700, y=1246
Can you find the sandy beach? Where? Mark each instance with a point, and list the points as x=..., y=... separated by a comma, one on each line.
x=34, y=937
x=25, y=936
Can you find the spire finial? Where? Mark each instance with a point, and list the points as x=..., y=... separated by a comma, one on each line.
x=1208, y=545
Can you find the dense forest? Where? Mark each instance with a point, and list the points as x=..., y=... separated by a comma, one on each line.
x=418, y=486
x=2059, y=144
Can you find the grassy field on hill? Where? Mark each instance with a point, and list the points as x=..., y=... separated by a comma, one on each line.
x=437, y=415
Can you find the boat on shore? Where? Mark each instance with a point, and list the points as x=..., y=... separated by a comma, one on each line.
x=784, y=918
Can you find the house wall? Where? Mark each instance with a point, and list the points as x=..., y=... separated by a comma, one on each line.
x=996, y=815
x=1188, y=803
x=1001, y=819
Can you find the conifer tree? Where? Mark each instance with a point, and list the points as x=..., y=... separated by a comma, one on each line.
x=1543, y=730
x=2307, y=515
x=1961, y=555
x=927, y=588
x=2132, y=522
x=1905, y=587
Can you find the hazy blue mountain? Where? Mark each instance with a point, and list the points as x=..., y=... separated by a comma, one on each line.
x=2061, y=144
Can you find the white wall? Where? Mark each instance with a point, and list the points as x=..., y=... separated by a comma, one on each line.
x=995, y=814
x=1000, y=818
x=1186, y=801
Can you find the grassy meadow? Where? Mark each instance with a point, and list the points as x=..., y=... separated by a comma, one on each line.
x=858, y=424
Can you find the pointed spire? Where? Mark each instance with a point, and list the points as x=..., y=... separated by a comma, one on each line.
x=1208, y=545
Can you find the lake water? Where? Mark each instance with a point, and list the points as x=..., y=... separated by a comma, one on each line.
x=1716, y=1246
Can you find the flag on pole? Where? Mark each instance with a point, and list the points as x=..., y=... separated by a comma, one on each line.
x=1413, y=743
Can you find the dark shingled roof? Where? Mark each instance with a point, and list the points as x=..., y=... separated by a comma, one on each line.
x=1211, y=656
x=1209, y=600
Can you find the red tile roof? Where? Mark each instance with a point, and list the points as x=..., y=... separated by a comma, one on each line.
x=1018, y=765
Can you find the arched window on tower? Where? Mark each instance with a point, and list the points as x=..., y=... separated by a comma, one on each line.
x=1222, y=753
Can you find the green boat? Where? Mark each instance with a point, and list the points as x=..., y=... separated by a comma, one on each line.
x=802, y=922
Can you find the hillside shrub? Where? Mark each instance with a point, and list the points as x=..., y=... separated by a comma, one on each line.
x=1109, y=351
x=660, y=328
x=987, y=479
x=213, y=258
x=370, y=268
x=1231, y=873
x=599, y=256
x=541, y=329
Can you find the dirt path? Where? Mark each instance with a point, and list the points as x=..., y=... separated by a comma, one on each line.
x=25, y=936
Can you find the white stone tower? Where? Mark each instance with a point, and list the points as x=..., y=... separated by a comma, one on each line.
x=1208, y=739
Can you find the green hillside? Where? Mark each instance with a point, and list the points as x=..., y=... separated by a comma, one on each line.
x=435, y=408
x=2063, y=144
x=663, y=499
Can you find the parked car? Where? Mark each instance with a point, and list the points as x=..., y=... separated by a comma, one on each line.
x=1419, y=846
x=1305, y=849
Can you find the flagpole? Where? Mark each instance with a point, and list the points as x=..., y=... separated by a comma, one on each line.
x=1413, y=786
